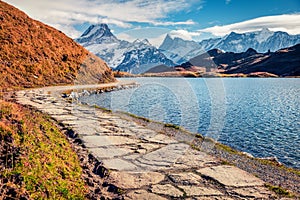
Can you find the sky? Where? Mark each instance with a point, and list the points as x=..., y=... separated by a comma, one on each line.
x=187, y=19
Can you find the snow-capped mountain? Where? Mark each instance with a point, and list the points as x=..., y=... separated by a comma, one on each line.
x=142, y=59
x=134, y=57
x=180, y=50
x=97, y=34
x=261, y=41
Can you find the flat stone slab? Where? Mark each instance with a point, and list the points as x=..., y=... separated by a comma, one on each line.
x=193, y=190
x=81, y=122
x=211, y=198
x=67, y=117
x=163, y=157
x=110, y=152
x=127, y=180
x=143, y=195
x=231, y=176
x=167, y=189
x=100, y=141
x=158, y=138
x=55, y=111
x=187, y=178
x=120, y=165
x=87, y=130
x=254, y=192
x=195, y=159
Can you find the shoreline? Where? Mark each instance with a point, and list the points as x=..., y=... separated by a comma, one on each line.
x=219, y=150
x=191, y=74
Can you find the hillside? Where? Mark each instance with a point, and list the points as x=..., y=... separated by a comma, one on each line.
x=34, y=54
x=284, y=62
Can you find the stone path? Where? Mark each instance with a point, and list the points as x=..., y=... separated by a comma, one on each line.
x=143, y=163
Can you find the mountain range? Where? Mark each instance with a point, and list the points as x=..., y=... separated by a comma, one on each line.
x=180, y=50
x=134, y=57
x=140, y=56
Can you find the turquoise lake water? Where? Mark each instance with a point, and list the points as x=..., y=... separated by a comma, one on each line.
x=259, y=116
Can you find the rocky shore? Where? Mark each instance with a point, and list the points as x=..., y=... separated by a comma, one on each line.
x=126, y=157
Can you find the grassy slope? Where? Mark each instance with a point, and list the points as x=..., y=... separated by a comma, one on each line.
x=44, y=159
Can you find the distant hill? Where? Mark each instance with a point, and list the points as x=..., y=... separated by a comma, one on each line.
x=34, y=54
x=284, y=62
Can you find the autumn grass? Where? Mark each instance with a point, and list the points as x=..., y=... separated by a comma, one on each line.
x=280, y=191
x=49, y=167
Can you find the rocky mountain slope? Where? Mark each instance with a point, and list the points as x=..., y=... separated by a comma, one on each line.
x=134, y=57
x=262, y=41
x=34, y=54
x=284, y=62
x=179, y=50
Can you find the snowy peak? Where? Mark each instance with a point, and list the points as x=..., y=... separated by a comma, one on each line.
x=97, y=34
x=167, y=43
x=262, y=41
x=134, y=57
x=263, y=35
x=141, y=43
x=145, y=41
x=100, y=29
x=178, y=49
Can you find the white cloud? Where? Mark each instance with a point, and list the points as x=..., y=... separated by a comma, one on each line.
x=188, y=22
x=155, y=41
x=125, y=36
x=288, y=23
x=64, y=13
x=184, y=34
x=156, y=35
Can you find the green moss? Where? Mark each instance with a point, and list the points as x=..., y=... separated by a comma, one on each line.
x=135, y=116
x=280, y=191
x=195, y=147
x=227, y=148
x=172, y=126
x=225, y=162
x=103, y=109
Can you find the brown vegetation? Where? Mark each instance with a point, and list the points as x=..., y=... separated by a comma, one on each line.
x=34, y=54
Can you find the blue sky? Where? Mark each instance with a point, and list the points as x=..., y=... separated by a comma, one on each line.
x=188, y=19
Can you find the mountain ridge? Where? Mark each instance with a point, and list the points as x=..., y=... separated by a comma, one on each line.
x=262, y=41
x=134, y=57
x=284, y=62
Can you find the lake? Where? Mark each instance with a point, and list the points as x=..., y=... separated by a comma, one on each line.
x=259, y=116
